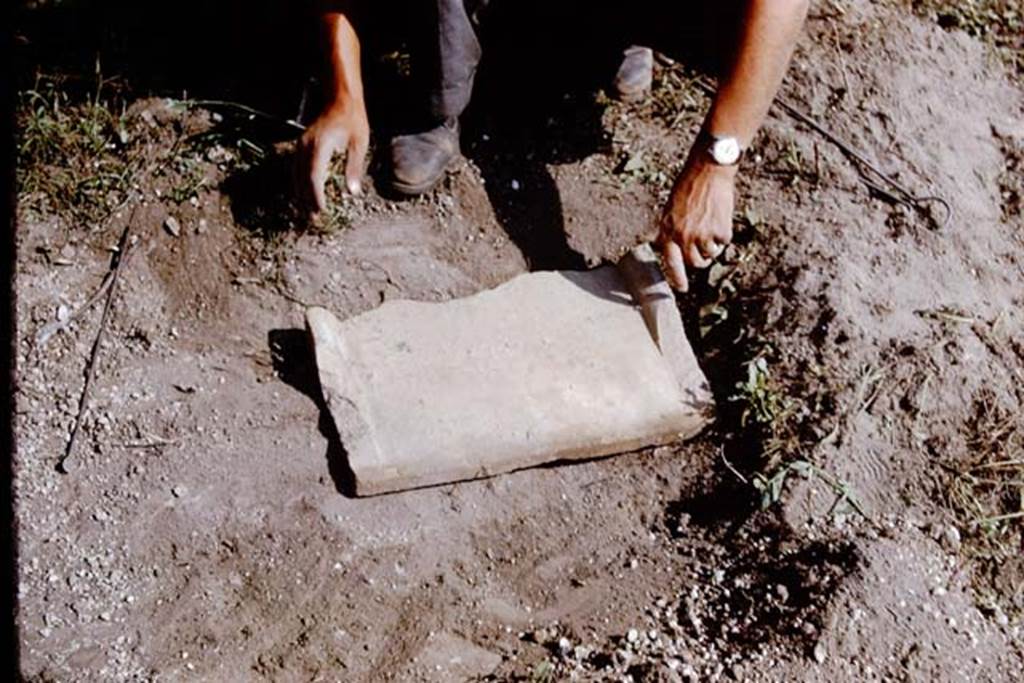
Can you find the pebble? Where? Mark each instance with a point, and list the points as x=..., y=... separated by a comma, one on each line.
x=951, y=539
x=179, y=491
x=820, y=653
x=172, y=226
x=782, y=592
x=632, y=635
x=63, y=313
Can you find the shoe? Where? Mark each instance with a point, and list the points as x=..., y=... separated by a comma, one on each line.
x=633, y=80
x=420, y=160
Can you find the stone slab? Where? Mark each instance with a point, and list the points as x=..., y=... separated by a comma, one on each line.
x=548, y=366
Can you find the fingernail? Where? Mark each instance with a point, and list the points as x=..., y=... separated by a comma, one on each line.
x=355, y=187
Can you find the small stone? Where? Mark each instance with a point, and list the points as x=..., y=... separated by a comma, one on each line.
x=515, y=185
x=1002, y=619
x=632, y=635
x=202, y=227
x=951, y=539
x=63, y=313
x=782, y=592
x=820, y=653
x=105, y=616
x=564, y=646
x=172, y=226
x=938, y=591
x=179, y=491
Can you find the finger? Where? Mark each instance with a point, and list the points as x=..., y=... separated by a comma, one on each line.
x=694, y=257
x=673, y=267
x=723, y=234
x=323, y=152
x=356, y=162
x=710, y=249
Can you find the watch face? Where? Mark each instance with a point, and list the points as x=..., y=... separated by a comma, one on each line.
x=726, y=151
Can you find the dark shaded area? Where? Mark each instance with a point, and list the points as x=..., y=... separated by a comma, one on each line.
x=294, y=362
x=261, y=197
x=10, y=645
x=725, y=502
x=772, y=591
x=536, y=100
x=226, y=49
x=262, y=53
x=721, y=502
x=533, y=107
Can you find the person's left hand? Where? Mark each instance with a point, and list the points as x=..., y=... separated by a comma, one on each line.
x=696, y=224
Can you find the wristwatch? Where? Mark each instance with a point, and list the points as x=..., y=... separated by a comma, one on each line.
x=724, y=151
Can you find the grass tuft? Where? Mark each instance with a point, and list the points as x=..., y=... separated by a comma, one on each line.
x=986, y=493
x=70, y=154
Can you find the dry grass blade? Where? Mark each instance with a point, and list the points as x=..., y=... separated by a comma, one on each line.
x=987, y=491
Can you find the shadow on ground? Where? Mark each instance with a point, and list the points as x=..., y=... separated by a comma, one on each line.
x=294, y=362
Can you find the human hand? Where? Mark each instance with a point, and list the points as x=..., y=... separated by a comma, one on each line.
x=342, y=129
x=696, y=224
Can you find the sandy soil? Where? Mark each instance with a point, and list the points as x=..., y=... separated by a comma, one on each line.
x=204, y=531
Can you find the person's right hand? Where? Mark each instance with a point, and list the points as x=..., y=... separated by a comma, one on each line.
x=343, y=129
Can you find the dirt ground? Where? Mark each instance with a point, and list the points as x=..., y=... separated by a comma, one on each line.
x=857, y=512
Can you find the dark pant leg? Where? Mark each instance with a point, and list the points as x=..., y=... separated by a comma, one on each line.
x=457, y=55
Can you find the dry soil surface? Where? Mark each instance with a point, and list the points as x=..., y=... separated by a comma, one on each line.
x=204, y=530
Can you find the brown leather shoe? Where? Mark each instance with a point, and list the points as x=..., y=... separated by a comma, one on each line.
x=420, y=160
x=633, y=79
